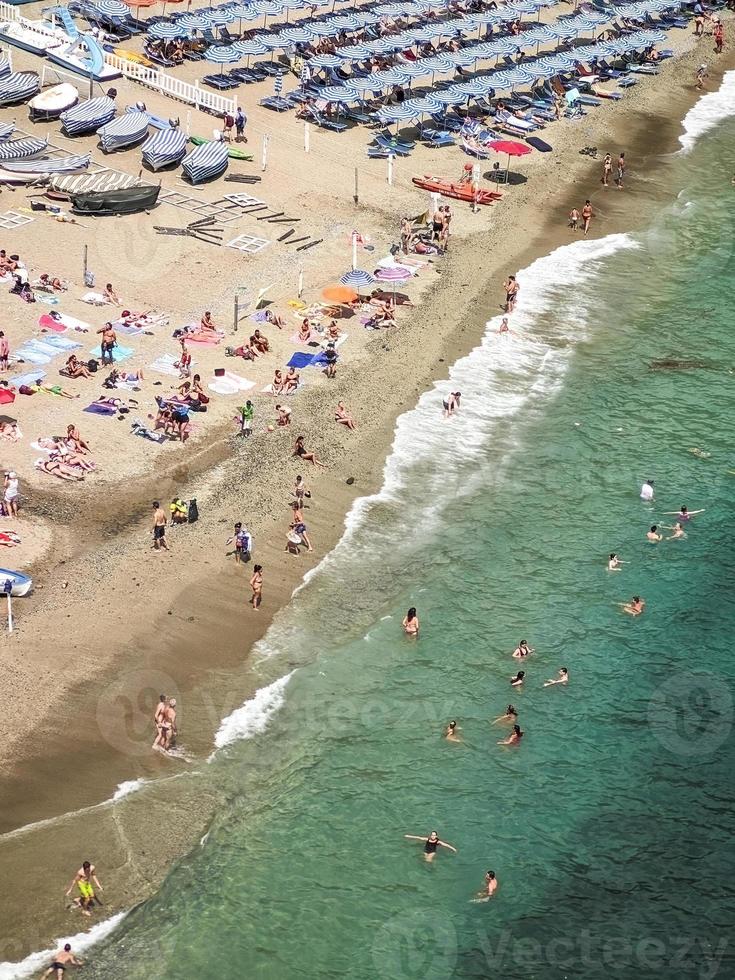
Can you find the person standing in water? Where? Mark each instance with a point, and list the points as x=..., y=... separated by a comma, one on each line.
x=684, y=514
x=61, y=961
x=85, y=879
x=430, y=844
x=514, y=738
x=587, y=216
x=563, y=678
x=522, y=650
x=606, y=170
x=614, y=563
x=450, y=403
x=490, y=886
x=451, y=734
x=411, y=622
x=647, y=491
x=653, y=534
x=621, y=171
x=678, y=532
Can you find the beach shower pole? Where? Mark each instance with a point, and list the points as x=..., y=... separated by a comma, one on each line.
x=356, y=196
x=8, y=590
x=84, y=261
x=301, y=283
x=390, y=169
x=354, y=249
x=266, y=139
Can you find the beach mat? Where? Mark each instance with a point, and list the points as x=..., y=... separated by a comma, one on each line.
x=538, y=144
x=119, y=353
x=300, y=360
x=95, y=409
x=165, y=365
x=28, y=379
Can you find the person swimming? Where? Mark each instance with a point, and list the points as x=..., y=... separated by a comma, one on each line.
x=677, y=532
x=517, y=680
x=563, y=678
x=431, y=843
x=510, y=715
x=635, y=607
x=411, y=622
x=653, y=534
x=490, y=886
x=451, y=733
x=514, y=738
x=684, y=514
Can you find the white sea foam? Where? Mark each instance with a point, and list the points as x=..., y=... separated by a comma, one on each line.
x=253, y=717
x=708, y=112
x=128, y=787
x=79, y=943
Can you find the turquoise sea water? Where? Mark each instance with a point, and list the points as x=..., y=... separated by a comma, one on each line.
x=610, y=827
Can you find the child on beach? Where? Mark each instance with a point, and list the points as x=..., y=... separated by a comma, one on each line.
x=574, y=219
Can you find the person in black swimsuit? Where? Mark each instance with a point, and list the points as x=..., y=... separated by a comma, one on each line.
x=63, y=959
x=430, y=844
x=300, y=450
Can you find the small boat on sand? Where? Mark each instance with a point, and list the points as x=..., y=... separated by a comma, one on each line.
x=18, y=583
x=52, y=102
x=460, y=190
x=126, y=200
x=234, y=152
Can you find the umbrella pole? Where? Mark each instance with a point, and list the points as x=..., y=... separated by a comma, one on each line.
x=354, y=251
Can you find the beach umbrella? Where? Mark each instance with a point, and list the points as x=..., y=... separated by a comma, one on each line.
x=390, y=10
x=222, y=54
x=278, y=84
x=342, y=295
x=112, y=8
x=395, y=275
x=353, y=52
x=218, y=18
x=193, y=22
x=337, y=93
x=347, y=22
x=510, y=147
x=325, y=61
x=414, y=69
x=322, y=29
x=357, y=278
x=273, y=41
x=167, y=31
x=252, y=46
x=268, y=8
x=423, y=105
x=297, y=35
x=398, y=113
x=438, y=63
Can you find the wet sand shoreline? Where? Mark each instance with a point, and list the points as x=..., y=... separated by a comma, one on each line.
x=77, y=756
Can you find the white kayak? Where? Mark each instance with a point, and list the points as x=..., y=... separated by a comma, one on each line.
x=51, y=103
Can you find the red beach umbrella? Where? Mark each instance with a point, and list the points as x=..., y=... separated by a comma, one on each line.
x=510, y=147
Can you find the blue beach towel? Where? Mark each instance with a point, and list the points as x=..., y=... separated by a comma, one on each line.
x=28, y=379
x=119, y=353
x=32, y=356
x=300, y=360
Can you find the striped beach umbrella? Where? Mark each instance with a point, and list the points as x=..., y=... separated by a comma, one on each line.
x=325, y=61
x=112, y=8
x=367, y=18
x=353, y=52
x=398, y=113
x=268, y=8
x=357, y=278
x=192, y=22
x=278, y=84
x=337, y=93
x=218, y=18
x=423, y=105
x=249, y=47
x=322, y=28
x=347, y=22
x=390, y=10
x=166, y=31
x=395, y=275
x=297, y=35
x=414, y=69
x=222, y=54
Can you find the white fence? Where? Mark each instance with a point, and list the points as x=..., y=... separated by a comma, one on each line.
x=9, y=12
x=158, y=80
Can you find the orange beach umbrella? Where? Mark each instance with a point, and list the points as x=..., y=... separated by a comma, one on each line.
x=340, y=294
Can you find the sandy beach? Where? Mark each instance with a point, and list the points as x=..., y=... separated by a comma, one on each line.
x=111, y=623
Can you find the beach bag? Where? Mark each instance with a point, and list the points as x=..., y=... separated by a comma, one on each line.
x=92, y=365
x=89, y=278
x=25, y=390
x=193, y=511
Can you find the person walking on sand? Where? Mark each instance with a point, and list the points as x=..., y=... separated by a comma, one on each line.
x=159, y=527
x=587, y=216
x=4, y=351
x=719, y=36
x=411, y=622
x=86, y=880
x=430, y=844
x=10, y=495
x=698, y=19
x=511, y=288
x=256, y=585
x=574, y=219
x=240, y=123
x=606, y=170
x=61, y=961
x=702, y=73
x=406, y=234
x=621, y=171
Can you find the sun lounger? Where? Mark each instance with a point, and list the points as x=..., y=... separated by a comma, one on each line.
x=325, y=123
x=277, y=103
x=435, y=138
x=220, y=82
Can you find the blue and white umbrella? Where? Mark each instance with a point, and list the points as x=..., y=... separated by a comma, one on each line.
x=371, y=83
x=192, y=22
x=244, y=11
x=461, y=58
x=218, y=18
x=367, y=18
x=325, y=61
x=448, y=97
x=166, y=31
x=423, y=105
x=278, y=84
x=112, y=8
x=223, y=54
x=390, y=10
x=357, y=278
x=322, y=28
x=347, y=22
x=398, y=113
x=337, y=93
x=268, y=8
x=414, y=69
x=273, y=41
x=353, y=52
x=439, y=63
x=297, y=35
x=249, y=47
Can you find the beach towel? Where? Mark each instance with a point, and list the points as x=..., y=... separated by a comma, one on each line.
x=119, y=353
x=139, y=428
x=224, y=386
x=295, y=339
x=165, y=365
x=47, y=298
x=96, y=409
x=33, y=356
x=242, y=383
x=260, y=316
x=94, y=299
x=300, y=360
x=538, y=144
x=204, y=341
x=28, y=379
x=61, y=343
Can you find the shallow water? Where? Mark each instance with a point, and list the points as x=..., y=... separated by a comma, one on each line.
x=609, y=828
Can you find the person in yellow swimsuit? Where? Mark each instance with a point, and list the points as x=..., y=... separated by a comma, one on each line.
x=85, y=879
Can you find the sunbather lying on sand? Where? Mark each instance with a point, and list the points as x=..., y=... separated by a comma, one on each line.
x=56, y=468
x=51, y=389
x=9, y=539
x=274, y=318
x=10, y=431
x=49, y=284
x=75, y=369
x=246, y=351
